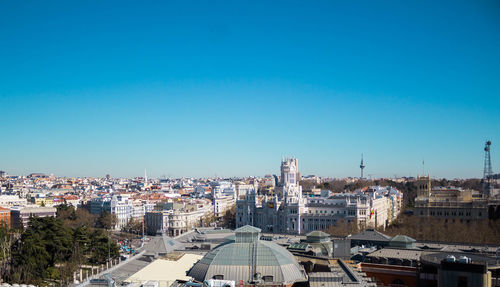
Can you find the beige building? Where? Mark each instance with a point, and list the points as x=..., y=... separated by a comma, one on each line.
x=449, y=203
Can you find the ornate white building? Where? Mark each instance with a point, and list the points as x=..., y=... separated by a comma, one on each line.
x=290, y=212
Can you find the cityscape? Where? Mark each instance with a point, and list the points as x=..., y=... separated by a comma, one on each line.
x=238, y=144
x=280, y=229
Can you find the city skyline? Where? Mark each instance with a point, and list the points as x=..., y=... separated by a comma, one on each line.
x=227, y=89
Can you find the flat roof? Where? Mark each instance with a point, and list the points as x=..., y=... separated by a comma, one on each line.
x=166, y=271
x=410, y=254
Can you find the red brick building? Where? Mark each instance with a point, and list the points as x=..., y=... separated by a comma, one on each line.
x=5, y=216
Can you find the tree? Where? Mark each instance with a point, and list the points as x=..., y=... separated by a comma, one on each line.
x=65, y=212
x=101, y=247
x=229, y=218
x=133, y=226
x=84, y=218
x=30, y=259
x=343, y=228
x=5, y=240
x=48, y=248
x=106, y=220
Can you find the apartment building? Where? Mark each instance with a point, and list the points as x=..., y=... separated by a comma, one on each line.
x=12, y=200
x=20, y=217
x=5, y=216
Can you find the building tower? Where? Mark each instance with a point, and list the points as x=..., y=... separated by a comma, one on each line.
x=488, y=172
x=362, y=166
x=423, y=184
x=289, y=172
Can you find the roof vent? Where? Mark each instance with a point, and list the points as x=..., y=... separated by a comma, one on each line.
x=450, y=258
x=464, y=259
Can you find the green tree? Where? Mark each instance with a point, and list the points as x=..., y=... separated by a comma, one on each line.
x=31, y=259
x=101, y=246
x=65, y=212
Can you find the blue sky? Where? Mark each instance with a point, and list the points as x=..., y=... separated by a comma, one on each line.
x=204, y=88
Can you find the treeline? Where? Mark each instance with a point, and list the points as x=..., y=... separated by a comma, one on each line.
x=51, y=249
x=430, y=229
x=343, y=228
x=435, y=229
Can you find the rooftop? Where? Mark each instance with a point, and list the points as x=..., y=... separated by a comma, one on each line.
x=394, y=253
x=156, y=270
x=249, y=259
x=371, y=235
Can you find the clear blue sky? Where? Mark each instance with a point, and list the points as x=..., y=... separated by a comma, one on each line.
x=198, y=88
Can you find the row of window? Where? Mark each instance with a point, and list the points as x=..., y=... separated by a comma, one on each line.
x=452, y=213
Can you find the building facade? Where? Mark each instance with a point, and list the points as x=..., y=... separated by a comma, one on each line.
x=12, y=200
x=20, y=217
x=5, y=216
x=288, y=211
x=452, y=204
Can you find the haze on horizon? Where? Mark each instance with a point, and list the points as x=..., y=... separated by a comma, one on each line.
x=197, y=89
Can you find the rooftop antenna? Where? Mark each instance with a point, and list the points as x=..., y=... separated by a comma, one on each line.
x=488, y=172
x=362, y=166
x=423, y=166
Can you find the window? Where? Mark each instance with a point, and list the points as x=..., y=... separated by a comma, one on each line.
x=218, y=277
x=267, y=278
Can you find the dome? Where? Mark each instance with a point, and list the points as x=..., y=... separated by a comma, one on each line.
x=248, y=259
x=402, y=241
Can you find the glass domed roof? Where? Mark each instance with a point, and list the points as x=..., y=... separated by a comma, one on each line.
x=249, y=259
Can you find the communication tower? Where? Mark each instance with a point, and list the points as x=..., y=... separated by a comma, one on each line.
x=362, y=166
x=488, y=172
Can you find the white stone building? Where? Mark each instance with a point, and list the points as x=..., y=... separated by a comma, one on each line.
x=12, y=200
x=221, y=204
x=122, y=207
x=290, y=212
x=180, y=221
